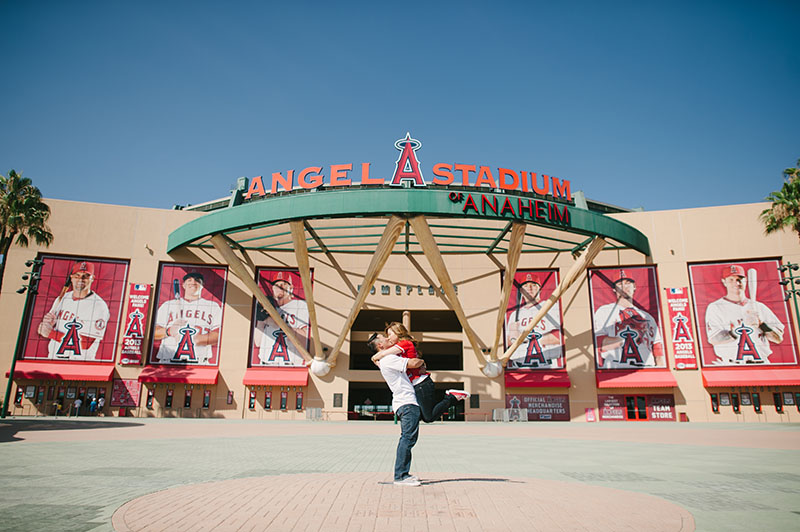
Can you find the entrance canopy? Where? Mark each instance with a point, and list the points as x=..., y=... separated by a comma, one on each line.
x=457, y=226
x=380, y=221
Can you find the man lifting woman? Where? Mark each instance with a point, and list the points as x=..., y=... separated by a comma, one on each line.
x=412, y=392
x=396, y=340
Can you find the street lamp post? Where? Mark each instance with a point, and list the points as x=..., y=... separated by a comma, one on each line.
x=791, y=284
x=32, y=278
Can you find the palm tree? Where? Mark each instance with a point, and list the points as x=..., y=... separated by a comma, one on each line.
x=22, y=216
x=785, y=209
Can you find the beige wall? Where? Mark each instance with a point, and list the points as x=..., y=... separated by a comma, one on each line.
x=677, y=238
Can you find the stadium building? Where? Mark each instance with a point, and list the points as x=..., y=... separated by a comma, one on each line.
x=540, y=303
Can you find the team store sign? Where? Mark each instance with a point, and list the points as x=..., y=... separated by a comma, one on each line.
x=408, y=172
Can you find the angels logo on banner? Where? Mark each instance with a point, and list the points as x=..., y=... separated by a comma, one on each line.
x=543, y=348
x=271, y=347
x=76, y=312
x=189, y=316
x=741, y=314
x=625, y=318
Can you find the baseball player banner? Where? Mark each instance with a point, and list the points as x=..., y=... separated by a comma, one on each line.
x=625, y=318
x=271, y=347
x=135, y=317
x=741, y=315
x=188, y=321
x=680, y=321
x=544, y=347
x=76, y=312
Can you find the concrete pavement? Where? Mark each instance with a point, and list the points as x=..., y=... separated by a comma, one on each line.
x=78, y=474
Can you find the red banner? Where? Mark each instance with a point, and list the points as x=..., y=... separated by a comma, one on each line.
x=125, y=392
x=135, y=320
x=680, y=321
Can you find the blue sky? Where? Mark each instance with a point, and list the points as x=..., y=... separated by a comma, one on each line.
x=153, y=103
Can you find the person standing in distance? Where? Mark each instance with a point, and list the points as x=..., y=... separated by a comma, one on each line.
x=76, y=323
x=404, y=404
x=188, y=326
x=626, y=335
x=739, y=328
x=274, y=347
x=542, y=347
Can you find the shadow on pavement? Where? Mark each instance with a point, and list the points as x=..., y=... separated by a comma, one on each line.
x=463, y=479
x=10, y=427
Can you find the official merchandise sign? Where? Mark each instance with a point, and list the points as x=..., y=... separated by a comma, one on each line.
x=76, y=312
x=136, y=318
x=125, y=392
x=680, y=322
x=188, y=321
x=543, y=348
x=742, y=317
x=625, y=318
x=541, y=407
x=271, y=347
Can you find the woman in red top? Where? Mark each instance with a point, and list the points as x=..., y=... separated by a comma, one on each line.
x=398, y=341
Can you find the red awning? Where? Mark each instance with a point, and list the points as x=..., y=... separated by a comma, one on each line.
x=63, y=371
x=636, y=378
x=188, y=375
x=282, y=376
x=537, y=379
x=713, y=378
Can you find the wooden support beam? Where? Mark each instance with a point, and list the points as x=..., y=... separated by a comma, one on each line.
x=514, y=251
x=379, y=258
x=330, y=256
x=301, y=254
x=241, y=271
x=583, y=262
x=428, y=243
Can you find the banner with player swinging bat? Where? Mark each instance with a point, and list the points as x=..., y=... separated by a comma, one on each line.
x=76, y=310
x=188, y=318
x=741, y=316
x=270, y=346
x=543, y=349
x=626, y=321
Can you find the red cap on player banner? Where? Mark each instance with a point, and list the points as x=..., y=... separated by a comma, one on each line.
x=83, y=266
x=623, y=276
x=733, y=269
x=531, y=278
x=283, y=276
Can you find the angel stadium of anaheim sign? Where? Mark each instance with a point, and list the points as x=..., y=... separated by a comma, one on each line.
x=408, y=173
x=456, y=190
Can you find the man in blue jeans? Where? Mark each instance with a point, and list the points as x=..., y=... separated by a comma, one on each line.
x=404, y=403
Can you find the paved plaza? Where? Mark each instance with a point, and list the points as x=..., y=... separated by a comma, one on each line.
x=103, y=474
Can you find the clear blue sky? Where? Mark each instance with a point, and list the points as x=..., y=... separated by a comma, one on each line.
x=153, y=103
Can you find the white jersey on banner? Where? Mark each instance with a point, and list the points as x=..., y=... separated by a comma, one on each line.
x=530, y=353
x=751, y=344
x=275, y=348
x=77, y=320
x=636, y=328
x=201, y=316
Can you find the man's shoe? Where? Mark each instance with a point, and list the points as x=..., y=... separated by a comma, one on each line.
x=415, y=477
x=408, y=481
x=458, y=394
